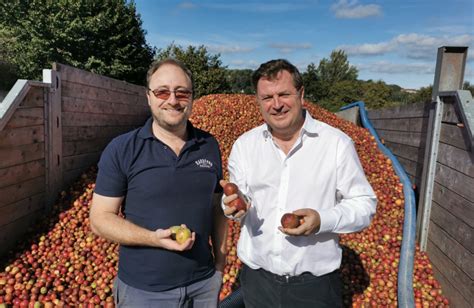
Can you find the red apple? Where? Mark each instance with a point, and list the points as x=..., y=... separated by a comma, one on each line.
x=290, y=220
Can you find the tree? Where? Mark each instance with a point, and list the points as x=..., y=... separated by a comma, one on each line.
x=104, y=37
x=376, y=94
x=240, y=81
x=208, y=74
x=318, y=82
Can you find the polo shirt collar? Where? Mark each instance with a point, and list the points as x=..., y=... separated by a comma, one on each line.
x=310, y=127
x=146, y=131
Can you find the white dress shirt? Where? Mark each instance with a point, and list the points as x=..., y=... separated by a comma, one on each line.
x=322, y=172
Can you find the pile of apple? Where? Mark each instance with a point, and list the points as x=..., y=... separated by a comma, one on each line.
x=65, y=264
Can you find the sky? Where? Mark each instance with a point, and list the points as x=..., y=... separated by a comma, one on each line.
x=395, y=41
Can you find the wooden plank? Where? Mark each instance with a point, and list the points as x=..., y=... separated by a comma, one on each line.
x=21, y=190
x=26, y=117
x=406, y=151
x=20, y=173
x=82, y=161
x=23, y=135
x=13, y=232
x=89, y=92
x=409, y=138
x=79, y=76
x=454, y=204
x=416, y=110
x=458, y=254
x=15, y=211
x=454, y=135
x=70, y=176
x=453, y=274
x=89, y=119
x=72, y=104
x=453, y=157
x=78, y=133
x=449, y=110
x=455, y=181
x=451, y=292
x=411, y=167
x=406, y=124
x=34, y=98
x=454, y=226
x=21, y=154
x=71, y=148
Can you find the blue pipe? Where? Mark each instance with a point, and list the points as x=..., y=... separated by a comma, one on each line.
x=407, y=253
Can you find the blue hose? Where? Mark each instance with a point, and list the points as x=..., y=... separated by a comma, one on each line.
x=407, y=253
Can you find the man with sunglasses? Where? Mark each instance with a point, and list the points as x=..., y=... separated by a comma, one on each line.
x=294, y=163
x=163, y=174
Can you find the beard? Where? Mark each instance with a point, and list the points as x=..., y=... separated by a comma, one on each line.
x=170, y=123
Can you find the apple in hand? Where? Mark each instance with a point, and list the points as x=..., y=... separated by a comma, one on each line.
x=290, y=220
x=230, y=189
x=238, y=204
x=180, y=234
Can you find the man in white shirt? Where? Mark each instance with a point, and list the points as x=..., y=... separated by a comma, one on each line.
x=294, y=163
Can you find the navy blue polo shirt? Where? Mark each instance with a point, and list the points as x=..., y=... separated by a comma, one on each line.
x=162, y=189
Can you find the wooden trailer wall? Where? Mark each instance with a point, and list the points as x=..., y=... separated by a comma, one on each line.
x=450, y=238
x=52, y=132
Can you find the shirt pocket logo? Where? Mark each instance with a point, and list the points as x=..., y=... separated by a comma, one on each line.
x=203, y=163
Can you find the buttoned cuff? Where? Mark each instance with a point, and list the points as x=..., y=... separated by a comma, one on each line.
x=329, y=219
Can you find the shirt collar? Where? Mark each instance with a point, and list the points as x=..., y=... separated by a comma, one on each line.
x=310, y=127
x=146, y=131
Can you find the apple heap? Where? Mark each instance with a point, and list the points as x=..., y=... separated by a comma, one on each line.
x=370, y=258
x=64, y=264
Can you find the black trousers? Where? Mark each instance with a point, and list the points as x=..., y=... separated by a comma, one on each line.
x=264, y=289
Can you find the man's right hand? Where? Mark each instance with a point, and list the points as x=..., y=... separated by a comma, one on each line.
x=162, y=238
x=229, y=210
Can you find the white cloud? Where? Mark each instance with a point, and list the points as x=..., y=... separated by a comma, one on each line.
x=187, y=5
x=225, y=49
x=287, y=48
x=386, y=67
x=350, y=9
x=411, y=45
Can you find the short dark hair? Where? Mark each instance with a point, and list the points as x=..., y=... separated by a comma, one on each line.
x=271, y=68
x=158, y=63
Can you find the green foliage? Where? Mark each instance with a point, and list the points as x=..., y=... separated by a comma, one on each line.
x=240, y=81
x=375, y=94
x=104, y=37
x=423, y=95
x=319, y=82
x=208, y=74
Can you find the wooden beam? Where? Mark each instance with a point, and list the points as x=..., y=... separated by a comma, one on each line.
x=10, y=156
x=24, y=207
x=454, y=204
x=20, y=173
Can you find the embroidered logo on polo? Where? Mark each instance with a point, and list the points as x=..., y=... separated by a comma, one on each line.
x=203, y=163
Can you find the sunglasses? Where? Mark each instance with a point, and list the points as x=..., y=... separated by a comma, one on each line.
x=164, y=94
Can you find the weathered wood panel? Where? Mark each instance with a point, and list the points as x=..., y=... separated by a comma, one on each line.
x=406, y=151
x=457, y=253
x=21, y=154
x=92, y=93
x=21, y=190
x=407, y=124
x=79, y=133
x=453, y=274
x=455, y=181
x=20, y=173
x=72, y=74
x=26, y=117
x=78, y=105
x=454, y=135
x=454, y=226
x=417, y=110
x=34, y=98
x=411, y=167
x=413, y=139
x=91, y=119
x=71, y=148
x=81, y=161
x=15, y=211
x=20, y=136
x=12, y=232
x=456, y=300
x=454, y=204
x=455, y=158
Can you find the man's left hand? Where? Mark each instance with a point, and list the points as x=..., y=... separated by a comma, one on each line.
x=311, y=224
